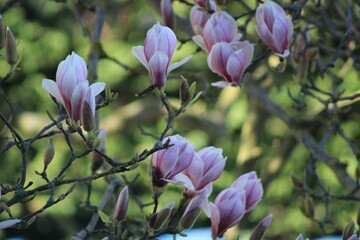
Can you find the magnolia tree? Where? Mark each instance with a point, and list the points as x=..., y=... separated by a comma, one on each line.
x=248, y=47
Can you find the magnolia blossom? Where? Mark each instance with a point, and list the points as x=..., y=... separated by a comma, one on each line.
x=220, y=27
x=155, y=55
x=274, y=28
x=206, y=166
x=198, y=19
x=230, y=60
x=226, y=211
x=167, y=163
x=251, y=185
x=71, y=88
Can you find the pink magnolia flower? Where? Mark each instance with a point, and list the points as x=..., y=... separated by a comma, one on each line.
x=230, y=60
x=167, y=13
x=71, y=88
x=252, y=186
x=226, y=211
x=155, y=55
x=198, y=19
x=206, y=166
x=220, y=27
x=169, y=162
x=274, y=28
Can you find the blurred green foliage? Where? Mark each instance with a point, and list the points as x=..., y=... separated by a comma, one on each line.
x=47, y=31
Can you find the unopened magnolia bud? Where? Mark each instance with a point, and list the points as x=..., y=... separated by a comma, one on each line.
x=158, y=219
x=260, y=228
x=184, y=91
x=87, y=116
x=10, y=47
x=96, y=161
x=188, y=220
x=2, y=33
x=122, y=205
x=49, y=153
x=297, y=182
x=348, y=231
x=167, y=13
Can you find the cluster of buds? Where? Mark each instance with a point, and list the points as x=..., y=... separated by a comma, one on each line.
x=8, y=41
x=217, y=34
x=181, y=164
x=228, y=56
x=73, y=91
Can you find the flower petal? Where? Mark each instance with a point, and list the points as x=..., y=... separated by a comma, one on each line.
x=77, y=100
x=199, y=40
x=195, y=170
x=178, y=64
x=138, y=52
x=97, y=87
x=181, y=179
x=66, y=78
x=9, y=223
x=158, y=68
x=79, y=65
x=222, y=84
x=52, y=88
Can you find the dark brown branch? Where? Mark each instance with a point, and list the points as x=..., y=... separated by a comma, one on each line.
x=333, y=60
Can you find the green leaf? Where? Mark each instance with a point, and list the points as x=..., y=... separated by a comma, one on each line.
x=104, y=217
x=196, y=98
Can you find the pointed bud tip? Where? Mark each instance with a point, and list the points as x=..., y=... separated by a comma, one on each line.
x=49, y=152
x=87, y=115
x=10, y=47
x=122, y=205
